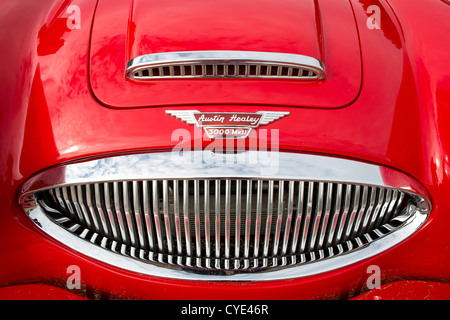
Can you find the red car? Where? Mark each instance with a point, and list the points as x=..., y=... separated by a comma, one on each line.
x=225, y=150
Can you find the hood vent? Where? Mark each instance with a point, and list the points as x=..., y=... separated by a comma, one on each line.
x=225, y=64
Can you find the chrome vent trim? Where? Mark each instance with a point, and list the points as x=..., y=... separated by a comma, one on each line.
x=259, y=229
x=225, y=64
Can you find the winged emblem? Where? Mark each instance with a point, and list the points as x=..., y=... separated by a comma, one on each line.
x=227, y=124
x=184, y=115
x=270, y=116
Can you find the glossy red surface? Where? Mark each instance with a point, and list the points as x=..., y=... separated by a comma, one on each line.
x=37, y=292
x=409, y=290
x=123, y=30
x=49, y=115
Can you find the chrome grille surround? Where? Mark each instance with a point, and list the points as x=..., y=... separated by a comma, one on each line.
x=267, y=228
x=225, y=64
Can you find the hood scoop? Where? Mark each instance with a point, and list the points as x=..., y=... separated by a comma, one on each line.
x=151, y=53
x=225, y=64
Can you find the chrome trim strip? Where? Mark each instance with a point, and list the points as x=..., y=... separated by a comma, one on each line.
x=191, y=59
x=209, y=165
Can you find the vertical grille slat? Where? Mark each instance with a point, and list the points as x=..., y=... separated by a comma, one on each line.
x=136, y=195
x=167, y=224
x=290, y=209
x=326, y=217
x=198, y=249
x=76, y=205
x=279, y=220
x=148, y=213
x=269, y=218
x=362, y=210
x=317, y=216
x=102, y=213
x=85, y=208
x=115, y=204
x=379, y=204
x=258, y=218
x=384, y=208
x=343, y=218
x=187, y=229
x=207, y=220
x=68, y=205
x=90, y=209
x=237, y=232
x=217, y=219
x=260, y=221
x=248, y=219
x=129, y=214
x=176, y=212
x=156, y=219
x=336, y=214
x=299, y=217
x=371, y=206
x=354, y=205
x=227, y=217
x=307, y=217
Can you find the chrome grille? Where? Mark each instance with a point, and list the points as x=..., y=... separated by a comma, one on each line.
x=224, y=64
x=226, y=223
x=233, y=217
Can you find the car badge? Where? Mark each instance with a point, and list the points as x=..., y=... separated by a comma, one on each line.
x=227, y=125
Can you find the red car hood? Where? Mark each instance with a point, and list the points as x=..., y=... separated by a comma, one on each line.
x=319, y=29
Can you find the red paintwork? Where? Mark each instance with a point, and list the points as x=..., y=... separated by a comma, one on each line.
x=37, y=292
x=49, y=115
x=120, y=33
x=409, y=290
